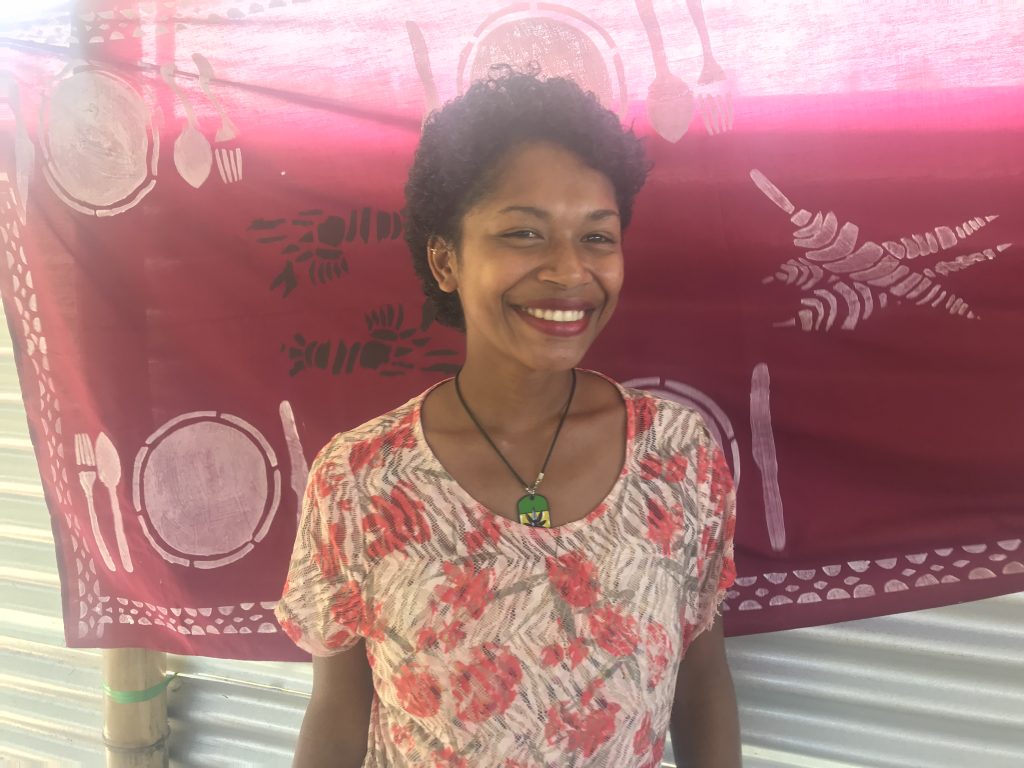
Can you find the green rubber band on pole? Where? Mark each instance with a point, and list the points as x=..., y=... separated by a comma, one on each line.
x=136, y=697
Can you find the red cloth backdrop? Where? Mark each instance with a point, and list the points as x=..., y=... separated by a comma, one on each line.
x=205, y=279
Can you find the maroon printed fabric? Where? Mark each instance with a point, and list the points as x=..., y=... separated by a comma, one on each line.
x=205, y=280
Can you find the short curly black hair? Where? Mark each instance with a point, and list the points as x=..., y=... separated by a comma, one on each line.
x=463, y=142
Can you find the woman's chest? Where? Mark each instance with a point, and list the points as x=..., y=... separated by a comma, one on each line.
x=567, y=610
x=584, y=466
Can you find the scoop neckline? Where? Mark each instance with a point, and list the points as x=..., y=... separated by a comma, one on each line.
x=560, y=530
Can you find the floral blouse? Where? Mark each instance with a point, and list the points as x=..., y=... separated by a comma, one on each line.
x=493, y=643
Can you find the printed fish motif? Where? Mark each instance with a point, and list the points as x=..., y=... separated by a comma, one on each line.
x=848, y=279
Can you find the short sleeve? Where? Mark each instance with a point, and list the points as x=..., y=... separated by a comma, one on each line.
x=716, y=503
x=323, y=609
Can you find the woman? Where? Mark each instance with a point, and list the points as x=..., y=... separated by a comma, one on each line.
x=522, y=566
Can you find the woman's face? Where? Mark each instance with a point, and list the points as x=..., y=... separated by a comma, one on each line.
x=540, y=267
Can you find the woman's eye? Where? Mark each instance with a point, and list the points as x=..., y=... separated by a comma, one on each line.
x=522, y=233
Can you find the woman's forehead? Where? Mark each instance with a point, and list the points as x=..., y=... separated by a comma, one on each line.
x=542, y=175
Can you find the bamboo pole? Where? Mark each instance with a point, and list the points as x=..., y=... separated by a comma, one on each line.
x=135, y=708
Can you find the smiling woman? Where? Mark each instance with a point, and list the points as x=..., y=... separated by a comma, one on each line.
x=465, y=147
x=521, y=566
x=538, y=268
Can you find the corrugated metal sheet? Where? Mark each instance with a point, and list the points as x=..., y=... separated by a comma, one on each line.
x=226, y=713
x=942, y=688
x=50, y=702
x=935, y=689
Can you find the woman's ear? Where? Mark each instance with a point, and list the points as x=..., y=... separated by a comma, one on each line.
x=441, y=257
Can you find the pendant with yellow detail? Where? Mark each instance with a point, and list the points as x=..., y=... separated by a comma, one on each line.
x=535, y=511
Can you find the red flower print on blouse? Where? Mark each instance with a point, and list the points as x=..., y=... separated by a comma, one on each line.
x=381, y=449
x=591, y=690
x=487, y=531
x=291, y=629
x=487, y=684
x=576, y=652
x=349, y=610
x=703, y=463
x=612, y=631
x=551, y=655
x=656, y=754
x=650, y=467
x=326, y=478
x=707, y=547
x=663, y=524
x=373, y=624
x=585, y=731
x=396, y=521
x=672, y=469
x=418, y=691
x=573, y=578
x=728, y=575
x=675, y=468
x=347, y=606
x=713, y=462
x=329, y=554
x=474, y=540
x=467, y=589
x=644, y=736
x=721, y=480
x=645, y=409
x=451, y=636
x=402, y=737
x=659, y=652
x=425, y=638
x=449, y=758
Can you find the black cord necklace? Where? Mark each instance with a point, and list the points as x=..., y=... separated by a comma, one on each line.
x=533, y=508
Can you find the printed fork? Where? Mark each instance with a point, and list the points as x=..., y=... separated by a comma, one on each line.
x=86, y=458
x=229, y=164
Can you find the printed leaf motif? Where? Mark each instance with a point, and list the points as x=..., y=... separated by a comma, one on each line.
x=523, y=585
x=564, y=613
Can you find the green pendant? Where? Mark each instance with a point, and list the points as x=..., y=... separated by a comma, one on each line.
x=535, y=511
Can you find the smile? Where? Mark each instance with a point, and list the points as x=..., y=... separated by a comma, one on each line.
x=556, y=322
x=556, y=315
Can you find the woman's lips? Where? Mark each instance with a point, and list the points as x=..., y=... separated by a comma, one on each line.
x=555, y=327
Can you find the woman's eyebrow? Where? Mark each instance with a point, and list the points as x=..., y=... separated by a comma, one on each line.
x=530, y=210
x=540, y=213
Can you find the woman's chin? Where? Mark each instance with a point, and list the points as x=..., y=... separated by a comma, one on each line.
x=552, y=362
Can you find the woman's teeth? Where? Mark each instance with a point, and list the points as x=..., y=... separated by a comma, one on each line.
x=556, y=315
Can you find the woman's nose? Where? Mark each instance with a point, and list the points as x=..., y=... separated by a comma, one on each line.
x=566, y=264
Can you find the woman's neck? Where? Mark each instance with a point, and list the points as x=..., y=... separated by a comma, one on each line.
x=509, y=400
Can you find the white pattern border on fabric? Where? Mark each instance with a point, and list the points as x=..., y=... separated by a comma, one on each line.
x=241, y=619
x=26, y=304
x=940, y=567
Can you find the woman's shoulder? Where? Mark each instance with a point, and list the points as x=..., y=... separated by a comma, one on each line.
x=663, y=422
x=383, y=436
x=656, y=422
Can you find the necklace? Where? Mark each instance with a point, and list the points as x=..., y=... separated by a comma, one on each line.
x=533, y=508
